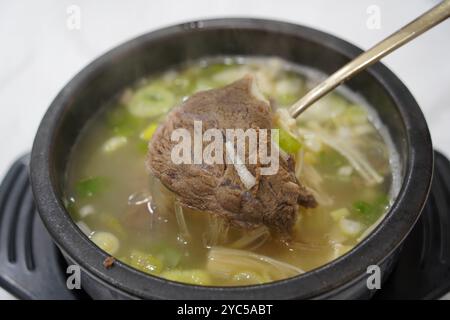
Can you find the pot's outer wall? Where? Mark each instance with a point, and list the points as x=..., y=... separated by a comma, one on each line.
x=106, y=76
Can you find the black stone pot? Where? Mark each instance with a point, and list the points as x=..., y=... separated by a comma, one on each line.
x=83, y=96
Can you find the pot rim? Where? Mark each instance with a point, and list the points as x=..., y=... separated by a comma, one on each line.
x=374, y=249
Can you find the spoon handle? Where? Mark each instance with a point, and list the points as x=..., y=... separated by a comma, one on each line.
x=415, y=28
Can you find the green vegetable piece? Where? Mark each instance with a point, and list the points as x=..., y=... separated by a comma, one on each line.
x=170, y=256
x=195, y=276
x=368, y=213
x=331, y=159
x=106, y=241
x=148, y=132
x=287, y=99
x=250, y=277
x=145, y=262
x=151, y=101
x=122, y=123
x=362, y=207
x=287, y=142
x=90, y=187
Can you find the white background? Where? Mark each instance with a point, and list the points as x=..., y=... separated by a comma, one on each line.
x=39, y=54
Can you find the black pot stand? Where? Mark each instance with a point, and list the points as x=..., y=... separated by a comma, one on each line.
x=423, y=269
x=31, y=266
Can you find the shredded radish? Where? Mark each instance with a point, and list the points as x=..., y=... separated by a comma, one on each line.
x=357, y=161
x=254, y=89
x=286, y=122
x=181, y=221
x=246, y=177
x=224, y=262
x=253, y=239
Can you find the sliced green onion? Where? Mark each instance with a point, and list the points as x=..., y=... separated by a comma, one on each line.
x=169, y=256
x=197, y=277
x=151, y=101
x=249, y=277
x=106, y=241
x=148, y=132
x=145, y=262
x=362, y=207
x=90, y=187
x=287, y=142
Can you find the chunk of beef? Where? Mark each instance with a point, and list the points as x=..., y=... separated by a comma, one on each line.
x=218, y=189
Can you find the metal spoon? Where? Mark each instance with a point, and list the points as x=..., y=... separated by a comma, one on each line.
x=415, y=28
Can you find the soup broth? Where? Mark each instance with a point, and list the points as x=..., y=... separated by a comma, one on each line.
x=341, y=155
